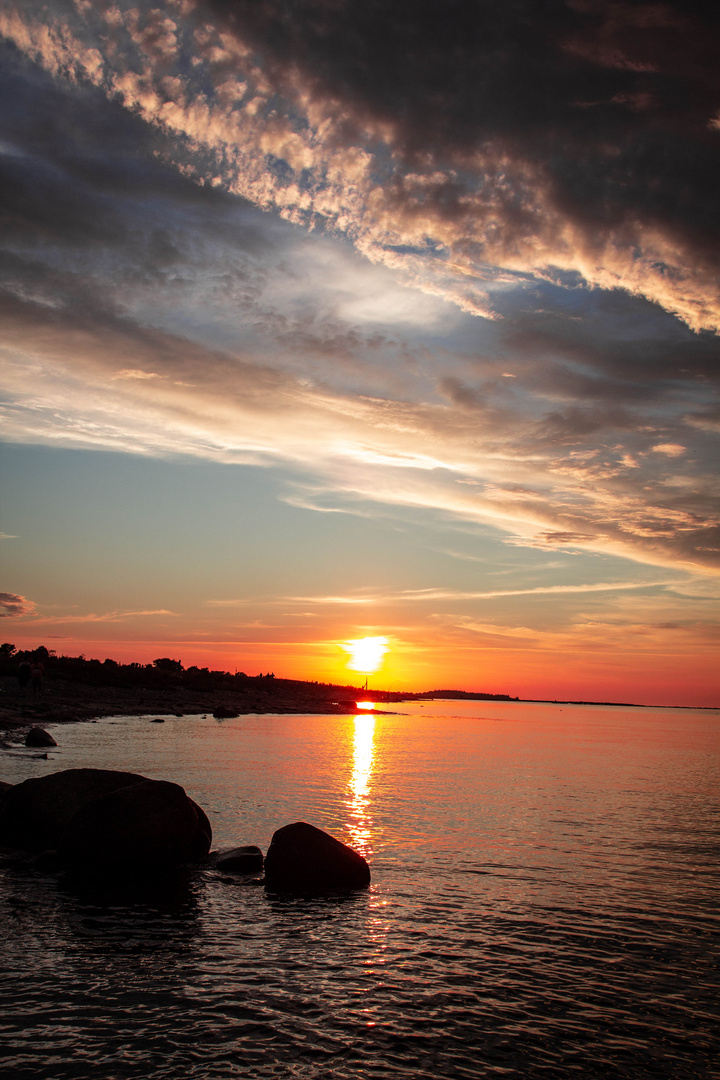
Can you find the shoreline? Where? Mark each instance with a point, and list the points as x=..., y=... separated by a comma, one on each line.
x=65, y=702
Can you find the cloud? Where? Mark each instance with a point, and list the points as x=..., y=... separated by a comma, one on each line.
x=572, y=477
x=431, y=595
x=672, y=450
x=331, y=600
x=103, y=617
x=12, y=605
x=466, y=146
x=136, y=373
x=496, y=162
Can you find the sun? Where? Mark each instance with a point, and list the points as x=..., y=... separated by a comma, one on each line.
x=366, y=654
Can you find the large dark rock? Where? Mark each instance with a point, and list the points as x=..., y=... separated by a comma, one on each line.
x=152, y=824
x=98, y=818
x=38, y=736
x=36, y=812
x=203, y=825
x=303, y=859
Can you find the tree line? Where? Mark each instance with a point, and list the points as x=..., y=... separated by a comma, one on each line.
x=161, y=673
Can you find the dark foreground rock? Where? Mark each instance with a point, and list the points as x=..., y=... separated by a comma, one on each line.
x=100, y=819
x=204, y=826
x=239, y=860
x=303, y=859
x=36, y=813
x=151, y=824
x=38, y=736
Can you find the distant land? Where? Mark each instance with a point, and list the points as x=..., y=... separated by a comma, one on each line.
x=74, y=688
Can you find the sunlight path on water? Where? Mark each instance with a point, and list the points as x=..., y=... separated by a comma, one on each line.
x=359, y=801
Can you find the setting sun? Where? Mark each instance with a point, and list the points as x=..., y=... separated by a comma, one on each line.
x=366, y=654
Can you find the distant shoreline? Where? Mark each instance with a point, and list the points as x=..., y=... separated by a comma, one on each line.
x=62, y=701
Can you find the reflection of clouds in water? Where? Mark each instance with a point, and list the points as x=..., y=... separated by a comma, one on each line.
x=359, y=823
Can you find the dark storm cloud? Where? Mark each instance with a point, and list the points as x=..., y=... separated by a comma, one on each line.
x=447, y=73
x=611, y=108
x=72, y=163
x=463, y=142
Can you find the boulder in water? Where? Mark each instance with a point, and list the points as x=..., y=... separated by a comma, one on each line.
x=148, y=825
x=304, y=859
x=100, y=818
x=38, y=736
x=36, y=812
x=204, y=826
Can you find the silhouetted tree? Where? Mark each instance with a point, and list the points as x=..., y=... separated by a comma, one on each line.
x=165, y=664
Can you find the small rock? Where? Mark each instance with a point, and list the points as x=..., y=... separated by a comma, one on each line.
x=48, y=861
x=241, y=860
x=37, y=736
x=221, y=713
x=157, y=720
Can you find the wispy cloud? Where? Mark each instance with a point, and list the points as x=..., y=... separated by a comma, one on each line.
x=431, y=595
x=449, y=594
x=13, y=605
x=91, y=617
x=331, y=600
x=229, y=603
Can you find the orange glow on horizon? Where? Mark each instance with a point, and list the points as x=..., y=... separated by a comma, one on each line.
x=529, y=670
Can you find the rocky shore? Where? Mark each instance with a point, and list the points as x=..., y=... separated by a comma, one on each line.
x=61, y=701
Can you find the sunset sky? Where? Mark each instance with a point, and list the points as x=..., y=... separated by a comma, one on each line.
x=325, y=320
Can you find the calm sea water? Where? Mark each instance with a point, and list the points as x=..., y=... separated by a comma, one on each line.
x=544, y=903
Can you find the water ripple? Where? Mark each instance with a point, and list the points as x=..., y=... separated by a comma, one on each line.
x=530, y=916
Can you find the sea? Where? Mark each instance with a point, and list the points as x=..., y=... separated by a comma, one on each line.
x=544, y=903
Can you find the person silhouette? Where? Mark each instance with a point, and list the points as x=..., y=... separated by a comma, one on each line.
x=24, y=674
x=36, y=673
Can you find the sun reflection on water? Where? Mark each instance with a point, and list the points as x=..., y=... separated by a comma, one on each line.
x=358, y=803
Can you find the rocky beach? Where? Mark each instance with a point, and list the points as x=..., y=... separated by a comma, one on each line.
x=73, y=688
x=62, y=701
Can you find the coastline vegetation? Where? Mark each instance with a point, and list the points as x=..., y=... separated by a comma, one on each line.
x=77, y=688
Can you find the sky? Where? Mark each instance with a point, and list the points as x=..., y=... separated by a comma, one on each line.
x=324, y=321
